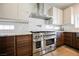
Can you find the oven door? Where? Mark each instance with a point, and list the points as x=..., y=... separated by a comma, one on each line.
x=36, y=46
x=49, y=43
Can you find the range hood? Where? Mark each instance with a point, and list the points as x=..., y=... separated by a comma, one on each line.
x=40, y=12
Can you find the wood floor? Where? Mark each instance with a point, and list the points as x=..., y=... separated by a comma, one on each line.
x=63, y=51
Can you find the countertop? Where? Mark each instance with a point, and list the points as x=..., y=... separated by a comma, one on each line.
x=15, y=34
x=26, y=33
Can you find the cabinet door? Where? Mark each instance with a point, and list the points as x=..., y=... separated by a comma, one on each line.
x=76, y=15
x=25, y=9
x=77, y=43
x=7, y=46
x=68, y=38
x=8, y=10
x=24, y=45
x=68, y=16
x=76, y=9
x=74, y=40
x=77, y=40
x=60, y=39
x=60, y=17
x=55, y=15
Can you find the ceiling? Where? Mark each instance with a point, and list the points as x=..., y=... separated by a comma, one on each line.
x=62, y=5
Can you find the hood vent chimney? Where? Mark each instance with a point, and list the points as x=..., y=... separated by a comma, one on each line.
x=40, y=12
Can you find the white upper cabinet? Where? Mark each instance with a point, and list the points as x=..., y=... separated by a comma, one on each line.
x=76, y=15
x=60, y=17
x=69, y=15
x=8, y=10
x=56, y=13
x=19, y=11
x=25, y=9
x=76, y=9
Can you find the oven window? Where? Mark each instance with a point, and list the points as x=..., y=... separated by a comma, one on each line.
x=49, y=42
x=38, y=44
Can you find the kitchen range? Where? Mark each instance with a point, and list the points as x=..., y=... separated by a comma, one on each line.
x=43, y=42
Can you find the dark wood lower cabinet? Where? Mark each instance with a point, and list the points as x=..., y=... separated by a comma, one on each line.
x=16, y=45
x=59, y=39
x=77, y=40
x=71, y=39
x=68, y=38
x=24, y=45
x=7, y=46
x=77, y=43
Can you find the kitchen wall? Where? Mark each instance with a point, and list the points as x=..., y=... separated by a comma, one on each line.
x=24, y=10
x=17, y=12
x=69, y=28
x=19, y=28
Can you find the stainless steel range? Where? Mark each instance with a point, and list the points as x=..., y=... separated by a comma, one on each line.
x=49, y=41
x=37, y=43
x=43, y=42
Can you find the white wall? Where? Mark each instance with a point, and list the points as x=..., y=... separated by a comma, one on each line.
x=19, y=28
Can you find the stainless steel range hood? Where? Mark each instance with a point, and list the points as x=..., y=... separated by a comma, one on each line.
x=40, y=12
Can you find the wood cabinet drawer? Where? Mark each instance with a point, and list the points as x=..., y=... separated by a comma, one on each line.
x=68, y=39
x=24, y=51
x=9, y=45
x=29, y=52
x=21, y=45
x=67, y=36
x=25, y=41
x=68, y=43
x=10, y=51
x=23, y=37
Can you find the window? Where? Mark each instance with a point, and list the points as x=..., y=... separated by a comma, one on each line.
x=6, y=27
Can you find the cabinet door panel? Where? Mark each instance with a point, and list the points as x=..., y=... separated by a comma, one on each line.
x=77, y=40
x=8, y=45
x=60, y=17
x=24, y=45
x=68, y=38
x=77, y=43
x=60, y=39
x=25, y=9
x=69, y=16
x=9, y=10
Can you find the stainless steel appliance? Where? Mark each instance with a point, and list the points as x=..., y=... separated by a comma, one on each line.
x=49, y=41
x=37, y=43
x=40, y=12
x=43, y=42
